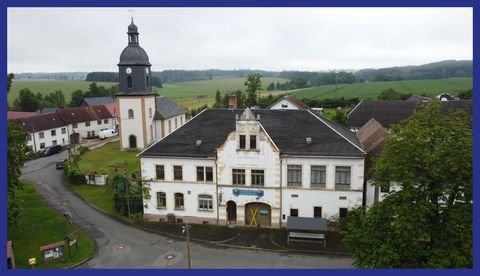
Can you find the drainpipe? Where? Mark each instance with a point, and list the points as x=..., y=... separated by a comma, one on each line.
x=216, y=186
x=281, y=189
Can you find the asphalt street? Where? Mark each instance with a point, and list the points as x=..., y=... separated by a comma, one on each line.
x=119, y=245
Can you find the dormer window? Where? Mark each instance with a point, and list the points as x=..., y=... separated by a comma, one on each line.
x=242, y=144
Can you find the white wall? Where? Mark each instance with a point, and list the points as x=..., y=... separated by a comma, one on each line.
x=189, y=186
x=82, y=129
x=62, y=139
x=135, y=126
x=328, y=198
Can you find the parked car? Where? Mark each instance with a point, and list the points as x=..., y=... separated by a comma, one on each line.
x=50, y=150
x=106, y=133
x=59, y=164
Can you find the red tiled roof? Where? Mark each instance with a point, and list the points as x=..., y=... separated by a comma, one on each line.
x=84, y=113
x=372, y=136
x=20, y=114
x=112, y=108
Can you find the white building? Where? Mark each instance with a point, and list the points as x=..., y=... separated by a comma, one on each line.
x=44, y=130
x=289, y=102
x=86, y=121
x=253, y=168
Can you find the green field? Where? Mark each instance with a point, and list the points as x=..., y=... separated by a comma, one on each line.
x=371, y=90
x=196, y=93
x=39, y=225
x=45, y=87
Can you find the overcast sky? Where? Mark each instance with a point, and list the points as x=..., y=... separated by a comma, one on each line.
x=313, y=39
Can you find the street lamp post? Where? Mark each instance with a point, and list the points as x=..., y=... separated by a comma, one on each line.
x=187, y=229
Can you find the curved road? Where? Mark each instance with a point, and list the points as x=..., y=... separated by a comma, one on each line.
x=121, y=246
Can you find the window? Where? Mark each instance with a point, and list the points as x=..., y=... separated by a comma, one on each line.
x=87, y=123
x=63, y=141
x=181, y=120
x=242, y=142
x=177, y=173
x=41, y=135
x=294, y=212
x=385, y=188
x=161, y=200
x=179, y=201
x=208, y=174
x=105, y=121
x=147, y=81
x=317, y=179
x=150, y=112
x=130, y=114
x=93, y=133
x=175, y=123
x=200, y=174
x=74, y=125
x=160, y=172
x=42, y=145
x=99, y=122
x=317, y=212
x=169, y=126
x=253, y=142
x=238, y=177
x=88, y=134
x=54, y=142
x=205, y=203
x=294, y=175
x=258, y=178
x=205, y=174
x=342, y=213
x=129, y=82
x=30, y=137
x=64, y=130
x=342, y=178
x=53, y=132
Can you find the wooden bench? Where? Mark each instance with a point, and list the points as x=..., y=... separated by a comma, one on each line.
x=306, y=237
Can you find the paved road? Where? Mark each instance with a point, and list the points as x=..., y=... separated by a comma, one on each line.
x=121, y=246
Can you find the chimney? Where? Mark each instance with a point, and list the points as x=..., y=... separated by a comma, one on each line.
x=232, y=102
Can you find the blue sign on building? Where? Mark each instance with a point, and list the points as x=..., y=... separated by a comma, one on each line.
x=257, y=193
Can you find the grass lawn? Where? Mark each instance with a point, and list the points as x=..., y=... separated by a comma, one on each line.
x=39, y=225
x=99, y=160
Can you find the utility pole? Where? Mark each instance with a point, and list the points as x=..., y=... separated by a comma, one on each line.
x=126, y=187
x=187, y=229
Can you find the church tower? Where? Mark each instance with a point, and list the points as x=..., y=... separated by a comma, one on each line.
x=136, y=101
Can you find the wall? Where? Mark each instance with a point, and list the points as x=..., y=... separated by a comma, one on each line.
x=62, y=139
x=140, y=120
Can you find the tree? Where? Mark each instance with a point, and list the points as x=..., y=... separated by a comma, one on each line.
x=27, y=101
x=254, y=84
x=10, y=78
x=77, y=98
x=340, y=117
x=427, y=220
x=122, y=197
x=465, y=94
x=218, y=100
x=391, y=94
x=17, y=149
x=55, y=99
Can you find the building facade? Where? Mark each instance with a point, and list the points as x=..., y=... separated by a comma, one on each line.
x=254, y=168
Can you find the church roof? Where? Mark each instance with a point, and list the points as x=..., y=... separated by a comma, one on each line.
x=287, y=128
x=166, y=108
x=134, y=55
x=96, y=101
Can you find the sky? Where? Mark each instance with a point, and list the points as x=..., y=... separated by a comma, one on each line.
x=276, y=39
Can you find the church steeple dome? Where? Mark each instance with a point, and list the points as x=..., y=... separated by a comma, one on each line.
x=134, y=67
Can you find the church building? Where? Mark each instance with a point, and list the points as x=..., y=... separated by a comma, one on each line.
x=144, y=117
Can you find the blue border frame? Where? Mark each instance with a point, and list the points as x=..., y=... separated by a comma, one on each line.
x=234, y=3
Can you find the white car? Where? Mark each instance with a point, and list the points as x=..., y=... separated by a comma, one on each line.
x=106, y=133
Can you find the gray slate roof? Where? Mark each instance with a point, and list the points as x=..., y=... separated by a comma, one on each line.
x=166, y=108
x=97, y=101
x=287, y=128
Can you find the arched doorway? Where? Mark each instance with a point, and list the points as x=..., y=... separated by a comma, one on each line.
x=258, y=214
x=231, y=211
x=133, y=142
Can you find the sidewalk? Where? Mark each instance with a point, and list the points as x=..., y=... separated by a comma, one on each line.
x=249, y=237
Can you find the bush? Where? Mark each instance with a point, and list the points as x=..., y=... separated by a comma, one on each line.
x=72, y=175
x=83, y=150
